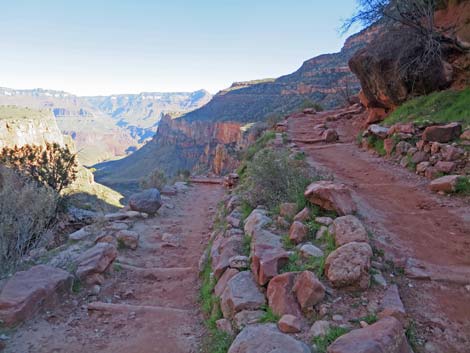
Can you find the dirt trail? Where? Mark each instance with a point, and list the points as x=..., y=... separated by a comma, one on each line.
x=427, y=234
x=149, y=301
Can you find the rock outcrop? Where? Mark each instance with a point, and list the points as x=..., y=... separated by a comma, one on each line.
x=28, y=291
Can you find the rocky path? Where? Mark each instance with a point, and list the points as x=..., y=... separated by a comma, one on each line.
x=148, y=302
x=427, y=234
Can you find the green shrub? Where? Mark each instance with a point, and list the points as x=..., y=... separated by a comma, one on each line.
x=307, y=103
x=377, y=144
x=322, y=342
x=272, y=178
x=27, y=212
x=156, y=179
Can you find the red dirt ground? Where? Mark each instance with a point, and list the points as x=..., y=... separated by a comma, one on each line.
x=430, y=232
x=149, y=301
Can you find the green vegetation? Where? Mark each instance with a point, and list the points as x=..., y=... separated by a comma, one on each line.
x=246, y=209
x=377, y=144
x=259, y=145
x=246, y=245
x=76, y=286
x=322, y=342
x=215, y=341
x=27, y=211
x=307, y=103
x=269, y=316
x=439, y=107
x=412, y=335
x=315, y=264
x=369, y=319
x=156, y=179
x=271, y=177
x=463, y=186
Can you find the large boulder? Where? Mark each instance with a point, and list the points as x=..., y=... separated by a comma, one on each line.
x=148, y=201
x=331, y=196
x=266, y=339
x=281, y=296
x=268, y=255
x=28, y=291
x=385, y=336
x=95, y=261
x=347, y=229
x=308, y=290
x=348, y=266
x=442, y=133
x=379, y=68
x=241, y=293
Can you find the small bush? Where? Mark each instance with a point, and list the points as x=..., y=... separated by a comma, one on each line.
x=377, y=144
x=157, y=179
x=322, y=342
x=463, y=186
x=51, y=165
x=27, y=211
x=272, y=178
x=307, y=103
x=269, y=316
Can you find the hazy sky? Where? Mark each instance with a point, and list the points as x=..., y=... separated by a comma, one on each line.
x=91, y=47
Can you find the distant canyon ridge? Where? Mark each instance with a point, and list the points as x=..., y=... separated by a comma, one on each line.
x=107, y=127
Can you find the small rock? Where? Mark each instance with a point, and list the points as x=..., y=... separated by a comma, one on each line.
x=326, y=221
x=379, y=279
x=392, y=305
x=321, y=232
x=80, y=234
x=337, y=318
x=225, y=325
x=309, y=250
x=281, y=297
x=297, y=232
x=287, y=209
x=222, y=282
x=128, y=239
x=330, y=135
x=239, y=262
x=247, y=317
x=363, y=324
x=443, y=133
x=320, y=328
x=303, y=215
x=289, y=324
x=95, y=289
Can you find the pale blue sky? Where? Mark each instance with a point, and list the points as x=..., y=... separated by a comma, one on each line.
x=90, y=47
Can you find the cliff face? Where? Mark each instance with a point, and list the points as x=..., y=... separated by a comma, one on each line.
x=208, y=138
x=22, y=126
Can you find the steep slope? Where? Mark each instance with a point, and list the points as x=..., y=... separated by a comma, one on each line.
x=106, y=127
x=209, y=137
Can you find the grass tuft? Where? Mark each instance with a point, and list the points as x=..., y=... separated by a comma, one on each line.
x=438, y=107
x=269, y=316
x=322, y=342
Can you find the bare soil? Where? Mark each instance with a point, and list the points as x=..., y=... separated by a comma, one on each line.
x=426, y=234
x=149, y=302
